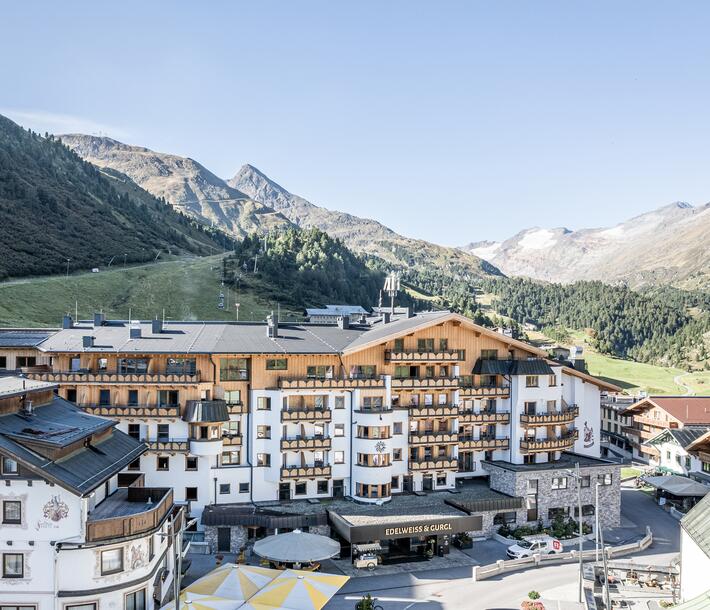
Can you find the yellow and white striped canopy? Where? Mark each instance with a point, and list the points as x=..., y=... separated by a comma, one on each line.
x=297, y=590
x=233, y=581
x=194, y=601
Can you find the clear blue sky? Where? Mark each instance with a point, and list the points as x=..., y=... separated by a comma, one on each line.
x=450, y=121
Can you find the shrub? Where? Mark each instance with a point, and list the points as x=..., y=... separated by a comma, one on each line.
x=534, y=595
x=366, y=603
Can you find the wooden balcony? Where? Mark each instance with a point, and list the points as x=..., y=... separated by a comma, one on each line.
x=237, y=408
x=306, y=443
x=566, y=416
x=129, y=511
x=329, y=383
x=650, y=421
x=561, y=443
x=433, y=438
x=468, y=416
x=137, y=411
x=448, y=355
x=231, y=440
x=170, y=445
x=304, y=414
x=704, y=456
x=469, y=390
x=434, y=464
x=103, y=377
x=483, y=443
x=408, y=383
x=304, y=472
x=433, y=410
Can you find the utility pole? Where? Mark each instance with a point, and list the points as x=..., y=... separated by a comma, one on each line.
x=578, y=478
x=68, y=267
x=596, y=523
x=607, y=602
x=176, y=535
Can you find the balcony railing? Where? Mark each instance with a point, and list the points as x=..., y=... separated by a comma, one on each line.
x=434, y=464
x=89, y=376
x=469, y=389
x=328, y=383
x=483, y=443
x=168, y=445
x=132, y=410
x=129, y=511
x=425, y=382
x=231, y=440
x=237, y=408
x=432, y=410
x=307, y=443
x=416, y=355
x=373, y=409
x=565, y=416
x=303, y=472
x=468, y=416
x=550, y=444
x=433, y=438
x=305, y=414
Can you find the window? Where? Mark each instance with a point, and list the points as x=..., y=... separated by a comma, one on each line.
x=441, y=480
x=3, y=362
x=532, y=381
x=340, y=402
x=230, y=429
x=587, y=510
x=263, y=432
x=687, y=463
x=425, y=345
x=163, y=432
x=135, y=464
x=339, y=457
x=320, y=372
x=443, y=345
x=243, y=488
x=552, y=380
x=504, y=518
x=559, y=483
x=224, y=488
x=168, y=398
x=397, y=455
x=190, y=494
x=231, y=458
x=13, y=565
x=668, y=455
x=25, y=361
x=163, y=463
x=233, y=397
x=104, y=397
x=398, y=345
x=89, y=606
x=132, y=398
x=397, y=427
x=233, y=369
x=136, y=600
x=71, y=395
x=276, y=364
x=127, y=366
x=299, y=489
x=489, y=354
x=339, y=430
x=263, y=403
x=532, y=486
x=263, y=459
x=585, y=481
x=556, y=513
x=395, y=483
x=11, y=512
x=181, y=366
x=151, y=547
x=551, y=406
x=111, y=561
x=605, y=479
x=190, y=462
x=134, y=431
x=322, y=487
x=10, y=467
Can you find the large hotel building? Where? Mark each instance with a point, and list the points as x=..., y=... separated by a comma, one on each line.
x=404, y=423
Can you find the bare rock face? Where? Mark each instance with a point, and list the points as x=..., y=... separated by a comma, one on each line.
x=182, y=182
x=670, y=245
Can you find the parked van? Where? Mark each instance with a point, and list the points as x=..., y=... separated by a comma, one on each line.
x=542, y=544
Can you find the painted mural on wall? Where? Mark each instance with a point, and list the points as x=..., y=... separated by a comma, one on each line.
x=54, y=511
x=588, y=436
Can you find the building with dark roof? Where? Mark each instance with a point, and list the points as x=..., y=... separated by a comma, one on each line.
x=18, y=348
x=695, y=551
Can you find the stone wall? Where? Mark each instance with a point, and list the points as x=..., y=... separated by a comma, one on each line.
x=238, y=538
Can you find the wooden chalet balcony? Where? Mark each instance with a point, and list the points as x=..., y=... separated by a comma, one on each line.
x=434, y=464
x=560, y=443
x=424, y=382
x=433, y=410
x=138, y=411
x=169, y=445
x=329, y=383
x=104, y=377
x=304, y=472
x=373, y=409
x=305, y=414
x=231, y=440
x=305, y=443
x=650, y=421
x=484, y=443
x=415, y=355
x=237, y=408
x=471, y=390
x=566, y=416
x=129, y=511
x=704, y=456
x=468, y=416
x=433, y=438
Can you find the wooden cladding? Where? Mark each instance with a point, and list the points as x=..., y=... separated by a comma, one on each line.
x=433, y=411
x=304, y=414
x=137, y=523
x=434, y=464
x=334, y=383
x=168, y=445
x=103, y=377
x=484, y=391
x=566, y=416
x=484, y=417
x=305, y=443
x=451, y=355
x=560, y=443
x=433, y=438
x=133, y=411
x=425, y=382
x=304, y=472
x=483, y=444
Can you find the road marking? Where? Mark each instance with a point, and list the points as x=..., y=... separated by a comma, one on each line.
x=391, y=599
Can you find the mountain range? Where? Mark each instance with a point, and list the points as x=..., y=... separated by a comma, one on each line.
x=669, y=245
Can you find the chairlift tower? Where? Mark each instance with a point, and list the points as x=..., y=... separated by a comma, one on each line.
x=392, y=287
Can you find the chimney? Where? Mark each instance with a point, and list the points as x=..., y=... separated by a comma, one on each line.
x=27, y=408
x=99, y=319
x=134, y=330
x=344, y=322
x=157, y=326
x=272, y=326
x=408, y=311
x=67, y=322
x=386, y=317
x=87, y=341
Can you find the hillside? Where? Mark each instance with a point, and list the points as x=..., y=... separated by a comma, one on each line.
x=665, y=246
x=184, y=183
x=361, y=235
x=54, y=207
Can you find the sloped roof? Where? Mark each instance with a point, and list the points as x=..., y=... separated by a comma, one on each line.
x=684, y=436
x=697, y=524
x=336, y=310
x=678, y=485
x=14, y=385
x=534, y=366
x=686, y=409
x=20, y=337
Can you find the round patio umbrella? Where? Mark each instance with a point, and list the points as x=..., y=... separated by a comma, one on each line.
x=195, y=601
x=297, y=547
x=297, y=590
x=238, y=582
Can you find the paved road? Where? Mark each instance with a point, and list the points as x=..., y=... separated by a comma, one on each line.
x=678, y=380
x=455, y=589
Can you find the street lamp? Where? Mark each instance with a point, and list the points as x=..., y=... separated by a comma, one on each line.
x=578, y=478
x=68, y=267
x=176, y=536
x=600, y=540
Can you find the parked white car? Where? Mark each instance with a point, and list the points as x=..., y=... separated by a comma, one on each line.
x=539, y=543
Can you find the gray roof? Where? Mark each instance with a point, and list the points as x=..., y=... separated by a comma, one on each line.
x=13, y=385
x=82, y=470
x=683, y=436
x=533, y=366
x=382, y=331
x=20, y=337
x=336, y=310
x=205, y=411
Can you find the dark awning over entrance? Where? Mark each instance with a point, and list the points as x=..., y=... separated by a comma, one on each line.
x=247, y=515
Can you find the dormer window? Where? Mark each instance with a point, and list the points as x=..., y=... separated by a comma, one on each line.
x=10, y=467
